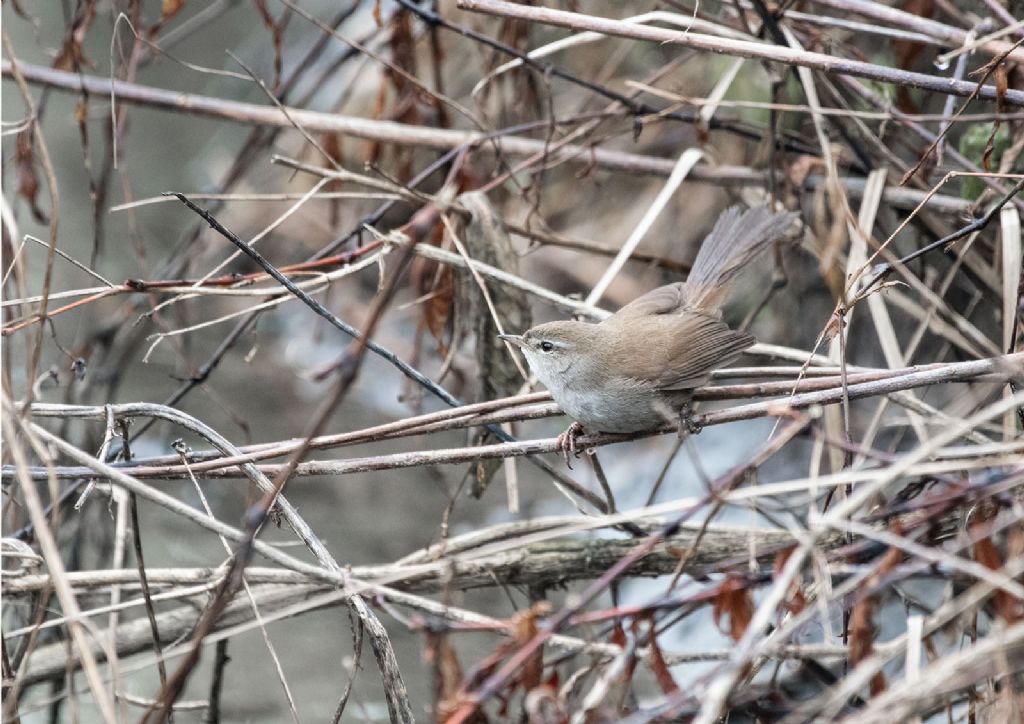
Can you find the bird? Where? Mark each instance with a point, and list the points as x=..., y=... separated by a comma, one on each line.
x=638, y=368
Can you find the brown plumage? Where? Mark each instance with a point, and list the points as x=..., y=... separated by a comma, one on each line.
x=639, y=367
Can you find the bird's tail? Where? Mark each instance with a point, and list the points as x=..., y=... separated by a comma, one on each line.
x=738, y=238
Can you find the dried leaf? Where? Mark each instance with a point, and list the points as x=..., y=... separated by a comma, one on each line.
x=440, y=654
x=543, y=706
x=1002, y=84
x=487, y=240
x=834, y=326
x=733, y=599
x=1007, y=607
x=861, y=628
x=907, y=51
x=405, y=107
x=658, y=666
x=28, y=179
x=795, y=602
x=71, y=54
x=331, y=143
x=861, y=632
x=435, y=283
x=170, y=9
x=525, y=625
x=798, y=171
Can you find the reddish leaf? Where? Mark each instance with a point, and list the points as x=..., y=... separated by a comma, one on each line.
x=733, y=599
x=332, y=145
x=862, y=639
x=28, y=180
x=436, y=285
x=525, y=624
x=659, y=667
x=1008, y=607
x=447, y=674
x=861, y=628
x=624, y=681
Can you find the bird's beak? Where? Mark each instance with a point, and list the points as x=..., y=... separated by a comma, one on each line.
x=516, y=339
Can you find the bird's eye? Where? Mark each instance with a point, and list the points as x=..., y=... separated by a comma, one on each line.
x=546, y=346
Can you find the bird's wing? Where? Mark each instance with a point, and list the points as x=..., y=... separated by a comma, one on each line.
x=679, y=351
x=668, y=299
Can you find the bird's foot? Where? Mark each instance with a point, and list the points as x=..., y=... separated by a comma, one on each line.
x=567, y=442
x=688, y=421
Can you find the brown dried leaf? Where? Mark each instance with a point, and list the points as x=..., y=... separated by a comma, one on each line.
x=907, y=51
x=435, y=283
x=544, y=706
x=861, y=628
x=658, y=666
x=1002, y=84
x=332, y=145
x=170, y=9
x=621, y=687
x=834, y=326
x=525, y=625
x=71, y=54
x=487, y=240
x=28, y=179
x=440, y=654
x=795, y=602
x=1007, y=607
x=733, y=599
x=801, y=168
x=862, y=639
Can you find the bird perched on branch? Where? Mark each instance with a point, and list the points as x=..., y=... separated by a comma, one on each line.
x=639, y=367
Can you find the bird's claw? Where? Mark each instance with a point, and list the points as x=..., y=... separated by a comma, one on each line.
x=568, y=442
x=688, y=421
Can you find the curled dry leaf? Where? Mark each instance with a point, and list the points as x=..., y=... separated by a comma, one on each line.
x=544, y=706
x=861, y=628
x=733, y=599
x=907, y=52
x=1002, y=85
x=435, y=285
x=440, y=654
x=405, y=106
x=28, y=179
x=834, y=326
x=658, y=665
x=72, y=54
x=798, y=171
x=525, y=625
x=488, y=241
x=1007, y=607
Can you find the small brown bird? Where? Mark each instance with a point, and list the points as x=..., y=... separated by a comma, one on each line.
x=640, y=366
